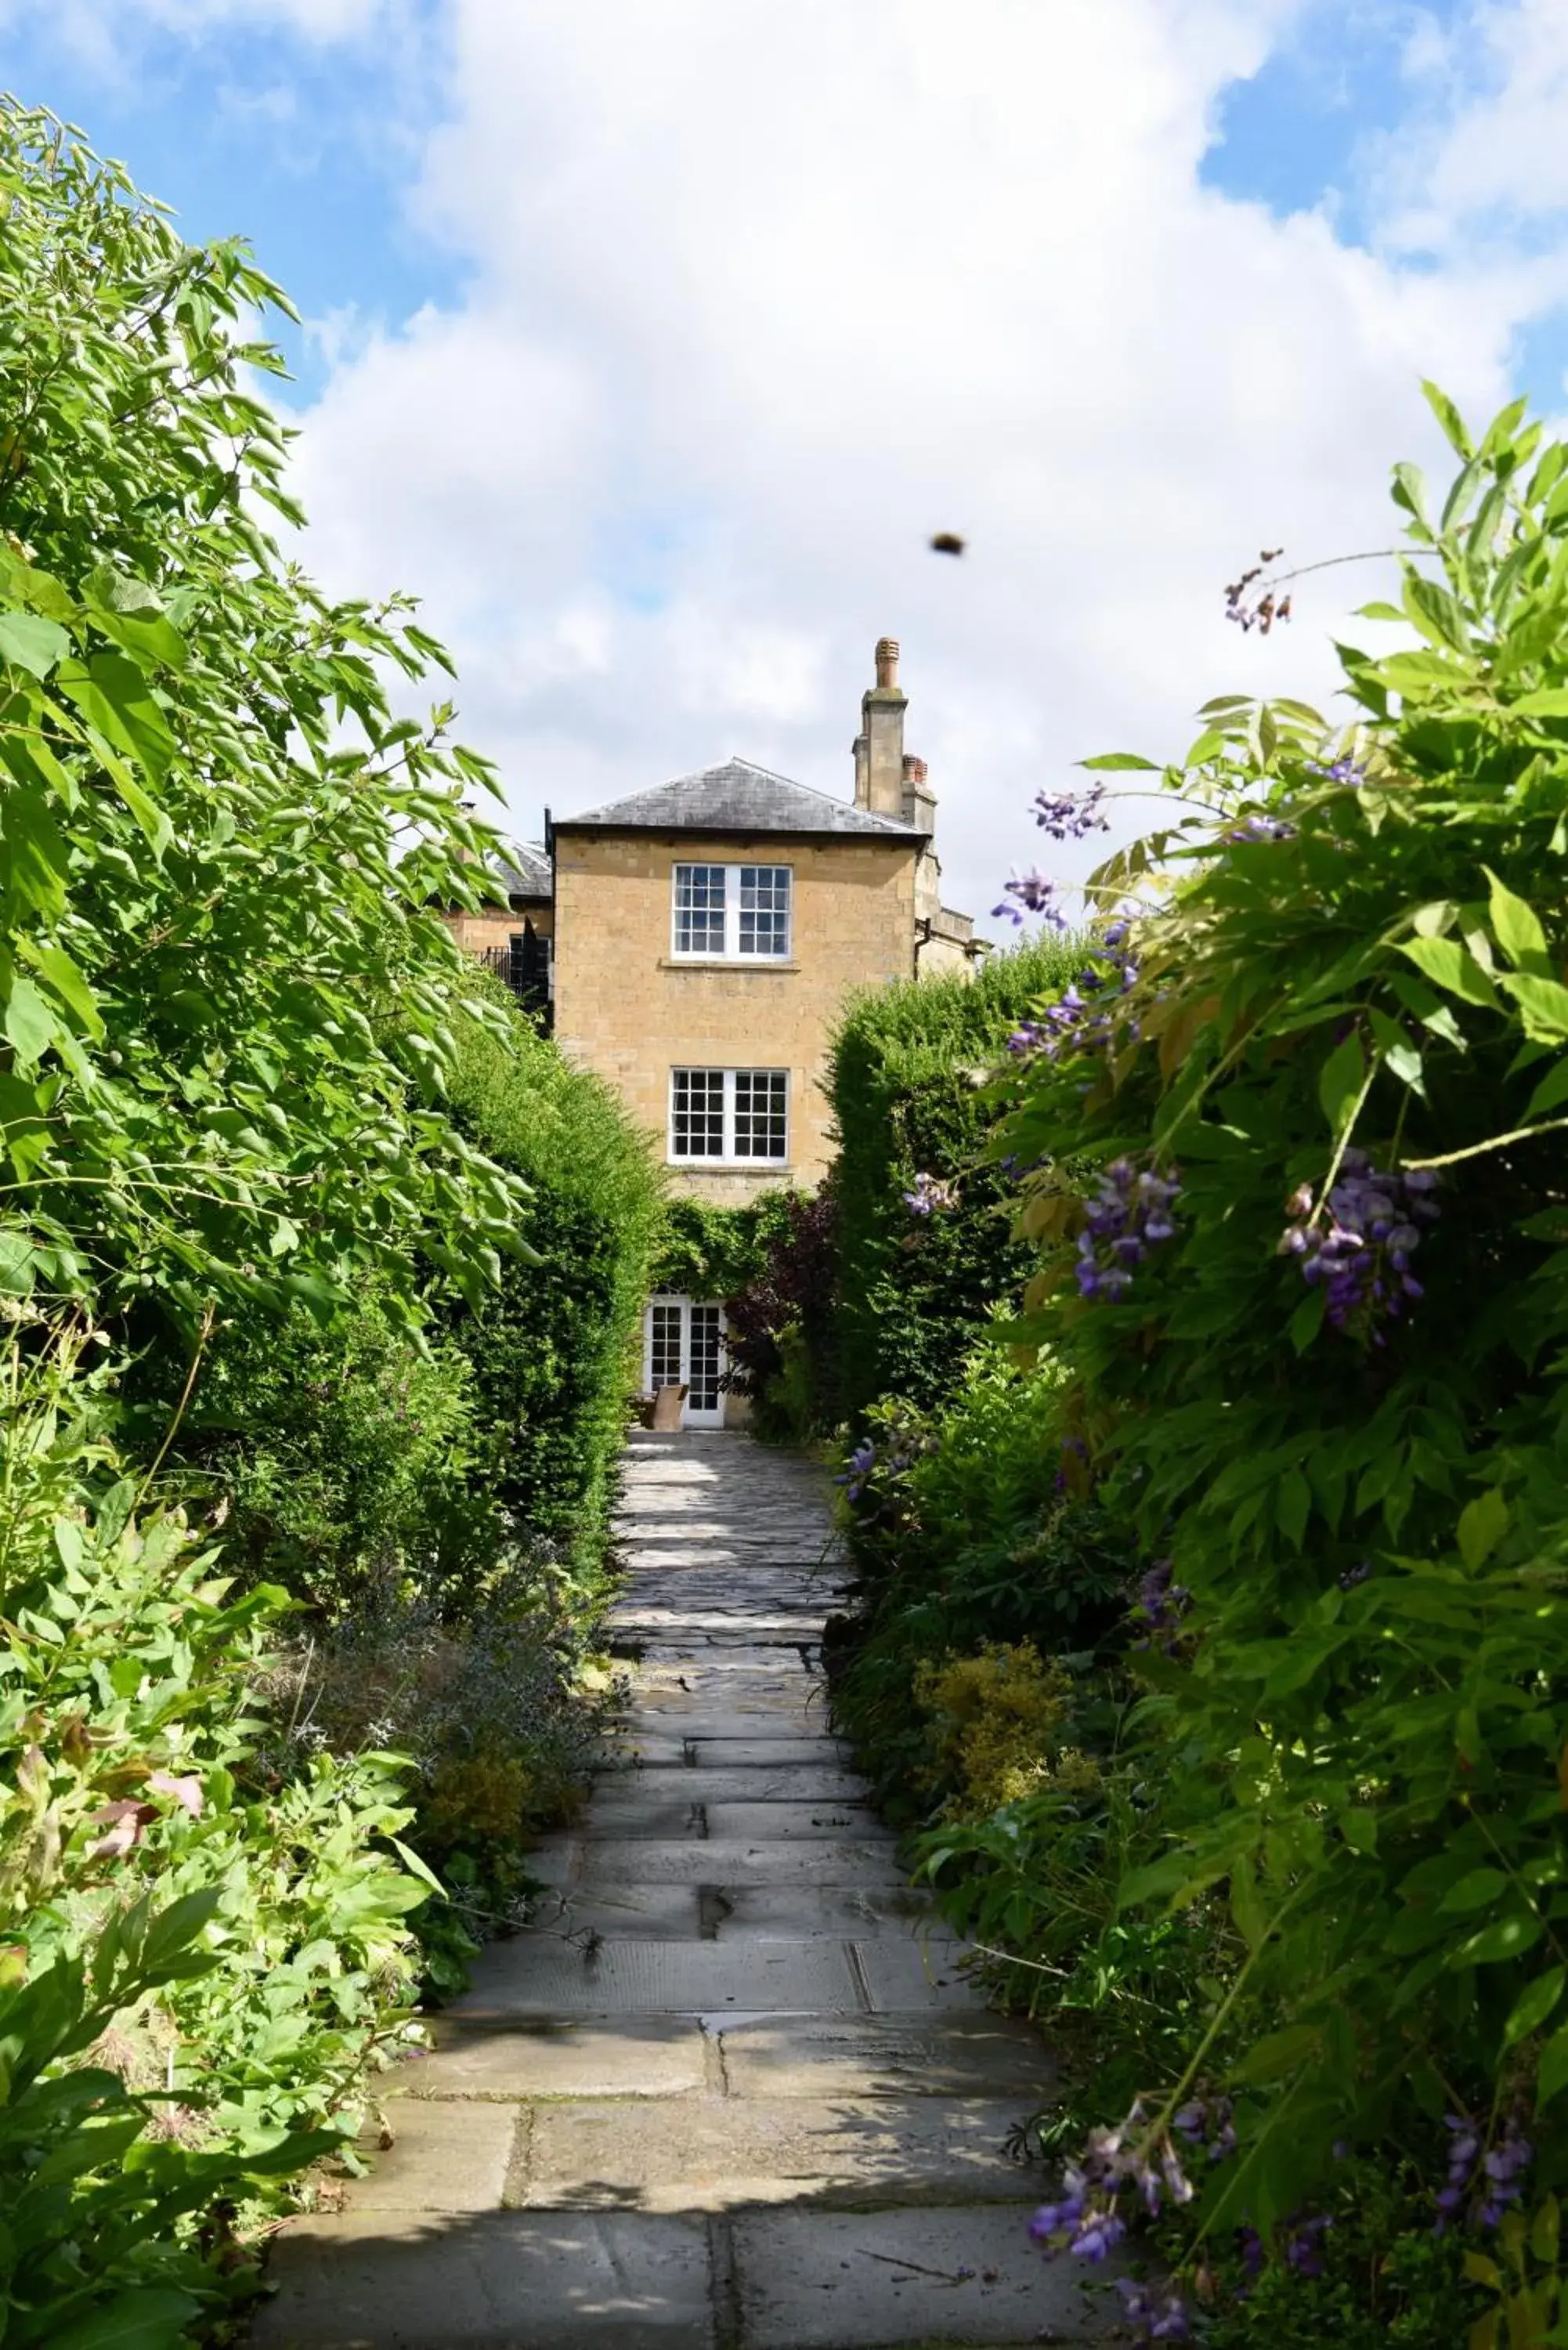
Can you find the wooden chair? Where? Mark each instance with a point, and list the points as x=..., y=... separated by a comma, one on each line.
x=668, y=1405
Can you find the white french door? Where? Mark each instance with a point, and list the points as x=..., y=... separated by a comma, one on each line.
x=683, y=1345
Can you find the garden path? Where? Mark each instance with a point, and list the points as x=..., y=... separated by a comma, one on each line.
x=732, y=2092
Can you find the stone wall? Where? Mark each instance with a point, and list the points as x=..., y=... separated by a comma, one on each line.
x=492, y=926
x=625, y=1009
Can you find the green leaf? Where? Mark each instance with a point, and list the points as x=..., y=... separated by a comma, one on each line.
x=27, y=1023
x=1482, y=1525
x=1410, y=492
x=1246, y=1904
x=150, y=2317
x=38, y=591
x=30, y=642
x=69, y=984
x=1451, y=967
x=1340, y=1082
x=1397, y=1054
x=1115, y=761
x=1293, y=1507
x=1449, y=417
x=1550, y=1093
x=112, y=695
x=1545, y=2232
x=1435, y=612
x=1307, y=1320
x=1547, y=702
x=1278, y=2054
x=416, y=1866
x=1515, y=925
x=1543, y=1002
x=1533, y=2005
x=1475, y=1890
x=1507, y=1938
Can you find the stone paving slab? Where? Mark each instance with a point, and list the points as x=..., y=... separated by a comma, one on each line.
x=901, y=1977
x=723, y=1782
x=504, y=2281
x=618, y=2057
x=538, y=1976
x=441, y=2159
x=660, y=1913
x=630, y=1812
x=783, y=1823
x=725, y=1861
x=771, y=1752
x=887, y=2055
x=813, y=2280
x=716, y=2153
x=849, y=1912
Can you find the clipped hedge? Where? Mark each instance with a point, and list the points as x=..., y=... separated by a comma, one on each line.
x=916, y=1291
x=554, y=1346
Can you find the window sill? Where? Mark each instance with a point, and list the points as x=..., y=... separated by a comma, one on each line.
x=725, y=963
x=729, y=1166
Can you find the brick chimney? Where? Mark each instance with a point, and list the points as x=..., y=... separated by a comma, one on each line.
x=880, y=747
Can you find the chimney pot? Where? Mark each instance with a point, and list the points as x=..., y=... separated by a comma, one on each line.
x=887, y=662
x=914, y=769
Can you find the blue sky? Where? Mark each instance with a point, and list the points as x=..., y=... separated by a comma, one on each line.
x=305, y=147
x=650, y=340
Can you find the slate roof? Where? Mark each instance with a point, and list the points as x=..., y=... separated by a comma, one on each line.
x=735, y=797
x=522, y=872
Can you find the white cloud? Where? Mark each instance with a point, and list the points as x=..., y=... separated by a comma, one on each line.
x=761, y=296
x=1484, y=152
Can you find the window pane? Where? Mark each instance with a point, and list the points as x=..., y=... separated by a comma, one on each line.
x=697, y=1114
x=762, y=1101
x=705, y=1360
x=664, y=1345
x=764, y=909
x=700, y=910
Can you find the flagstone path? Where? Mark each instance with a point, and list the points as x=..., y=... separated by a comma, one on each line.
x=731, y=2092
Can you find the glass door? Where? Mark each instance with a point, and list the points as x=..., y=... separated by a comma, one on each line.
x=683, y=1345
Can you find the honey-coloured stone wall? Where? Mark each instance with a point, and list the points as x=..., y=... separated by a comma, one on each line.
x=627, y=1010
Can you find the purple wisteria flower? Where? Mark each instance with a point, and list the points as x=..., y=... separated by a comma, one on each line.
x=1160, y=2315
x=1086, y=2219
x=857, y=1469
x=1081, y=1018
x=1162, y=1603
x=1204, y=2121
x=1304, y=2244
x=1360, y=1256
x=927, y=1195
x=1071, y=816
x=1344, y=770
x=1129, y=1215
x=1034, y=893
x=1482, y=2185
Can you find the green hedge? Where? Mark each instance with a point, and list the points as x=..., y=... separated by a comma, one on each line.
x=915, y=1292
x=554, y=1346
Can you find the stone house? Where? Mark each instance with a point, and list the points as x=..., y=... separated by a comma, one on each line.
x=514, y=940
x=704, y=935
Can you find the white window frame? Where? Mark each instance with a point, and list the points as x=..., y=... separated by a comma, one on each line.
x=729, y=1156
x=733, y=950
